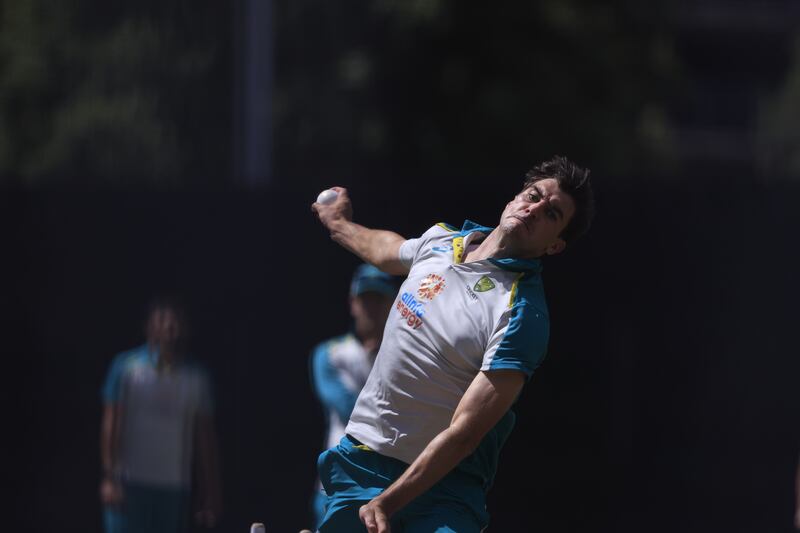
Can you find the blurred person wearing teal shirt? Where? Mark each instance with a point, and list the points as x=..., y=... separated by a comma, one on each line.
x=157, y=414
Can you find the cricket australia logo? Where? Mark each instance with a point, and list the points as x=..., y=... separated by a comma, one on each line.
x=430, y=287
x=484, y=284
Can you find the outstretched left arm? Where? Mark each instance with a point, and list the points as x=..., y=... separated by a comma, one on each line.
x=487, y=399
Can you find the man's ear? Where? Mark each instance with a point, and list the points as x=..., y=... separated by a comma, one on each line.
x=556, y=247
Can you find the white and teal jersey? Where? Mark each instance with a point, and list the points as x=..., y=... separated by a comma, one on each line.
x=451, y=320
x=158, y=414
x=339, y=369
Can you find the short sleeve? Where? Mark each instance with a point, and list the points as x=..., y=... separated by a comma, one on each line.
x=520, y=341
x=111, y=391
x=410, y=249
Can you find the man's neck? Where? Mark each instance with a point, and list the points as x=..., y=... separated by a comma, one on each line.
x=493, y=246
x=167, y=356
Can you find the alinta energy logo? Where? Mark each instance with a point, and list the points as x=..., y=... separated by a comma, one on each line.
x=412, y=309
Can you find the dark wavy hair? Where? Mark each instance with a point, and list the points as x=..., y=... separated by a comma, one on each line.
x=573, y=180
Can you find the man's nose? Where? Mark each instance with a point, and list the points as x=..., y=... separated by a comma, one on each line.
x=532, y=210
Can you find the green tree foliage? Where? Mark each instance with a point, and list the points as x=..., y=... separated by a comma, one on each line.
x=468, y=88
x=140, y=92
x=95, y=96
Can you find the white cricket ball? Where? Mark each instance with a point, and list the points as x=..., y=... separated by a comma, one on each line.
x=328, y=196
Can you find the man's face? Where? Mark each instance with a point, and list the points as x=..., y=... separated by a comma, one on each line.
x=164, y=327
x=534, y=219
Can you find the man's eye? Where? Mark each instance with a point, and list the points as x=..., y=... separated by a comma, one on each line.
x=533, y=197
x=551, y=214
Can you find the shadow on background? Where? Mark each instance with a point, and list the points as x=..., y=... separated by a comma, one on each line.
x=668, y=397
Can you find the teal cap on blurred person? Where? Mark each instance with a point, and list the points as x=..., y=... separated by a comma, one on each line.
x=368, y=278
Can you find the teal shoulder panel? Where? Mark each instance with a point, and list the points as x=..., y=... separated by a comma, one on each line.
x=524, y=345
x=110, y=392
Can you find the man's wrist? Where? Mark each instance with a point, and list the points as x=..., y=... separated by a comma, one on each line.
x=338, y=226
x=385, y=502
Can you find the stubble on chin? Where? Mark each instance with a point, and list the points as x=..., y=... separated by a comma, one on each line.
x=508, y=228
x=510, y=223
x=513, y=224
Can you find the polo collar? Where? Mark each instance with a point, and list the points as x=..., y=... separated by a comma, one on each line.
x=527, y=266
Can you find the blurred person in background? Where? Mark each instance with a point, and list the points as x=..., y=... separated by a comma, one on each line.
x=157, y=428
x=340, y=366
x=468, y=330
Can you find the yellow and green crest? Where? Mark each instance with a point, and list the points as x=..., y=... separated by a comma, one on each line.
x=484, y=284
